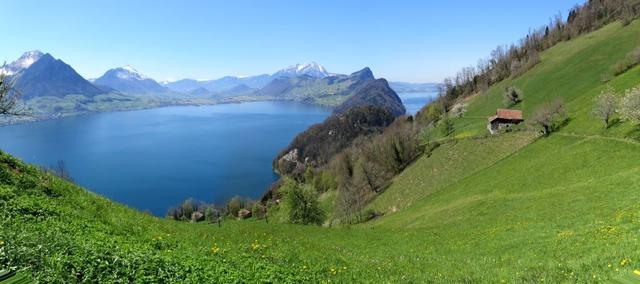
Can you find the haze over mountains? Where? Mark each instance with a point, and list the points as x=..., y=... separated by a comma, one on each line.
x=37, y=74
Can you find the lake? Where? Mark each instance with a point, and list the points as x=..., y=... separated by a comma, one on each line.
x=154, y=159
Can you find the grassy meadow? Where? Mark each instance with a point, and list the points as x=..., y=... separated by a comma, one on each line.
x=511, y=208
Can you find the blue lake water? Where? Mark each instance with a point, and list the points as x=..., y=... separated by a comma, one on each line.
x=413, y=102
x=153, y=159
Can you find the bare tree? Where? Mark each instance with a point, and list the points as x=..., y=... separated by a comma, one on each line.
x=550, y=117
x=60, y=170
x=605, y=106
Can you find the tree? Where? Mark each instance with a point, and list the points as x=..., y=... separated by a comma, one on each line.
x=303, y=205
x=512, y=96
x=630, y=105
x=426, y=136
x=211, y=214
x=605, y=106
x=188, y=207
x=550, y=116
x=447, y=126
x=234, y=206
x=258, y=210
x=9, y=96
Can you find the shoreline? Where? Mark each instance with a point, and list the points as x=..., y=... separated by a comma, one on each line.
x=186, y=102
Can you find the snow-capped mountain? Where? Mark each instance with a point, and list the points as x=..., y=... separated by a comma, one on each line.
x=312, y=69
x=22, y=63
x=48, y=76
x=128, y=80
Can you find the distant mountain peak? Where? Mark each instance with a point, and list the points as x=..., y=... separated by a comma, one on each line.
x=364, y=74
x=312, y=69
x=24, y=62
x=127, y=72
x=48, y=76
x=127, y=79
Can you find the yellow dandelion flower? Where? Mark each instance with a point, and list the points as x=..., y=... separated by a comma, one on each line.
x=1, y=243
x=637, y=272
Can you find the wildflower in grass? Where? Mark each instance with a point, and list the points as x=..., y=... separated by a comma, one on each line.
x=215, y=249
x=625, y=262
x=1, y=243
x=637, y=271
x=255, y=245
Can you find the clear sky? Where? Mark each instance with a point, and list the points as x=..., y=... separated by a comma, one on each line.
x=416, y=41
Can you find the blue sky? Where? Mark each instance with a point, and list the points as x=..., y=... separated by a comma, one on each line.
x=416, y=41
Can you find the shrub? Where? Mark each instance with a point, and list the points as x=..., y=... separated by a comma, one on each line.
x=512, y=96
x=630, y=60
x=211, y=214
x=234, y=206
x=188, y=207
x=550, y=117
x=447, y=126
x=363, y=216
x=258, y=210
x=302, y=204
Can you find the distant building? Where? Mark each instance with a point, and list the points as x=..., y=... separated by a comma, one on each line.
x=504, y=118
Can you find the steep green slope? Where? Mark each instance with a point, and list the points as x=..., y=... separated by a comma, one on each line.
x=572, y=71
x=447, y=164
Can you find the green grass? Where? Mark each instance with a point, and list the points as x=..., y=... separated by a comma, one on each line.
x=448, y=163
x=572, y=71
x=563, y=204
x=510, y=208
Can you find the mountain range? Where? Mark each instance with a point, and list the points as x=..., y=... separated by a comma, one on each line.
x=37, y=74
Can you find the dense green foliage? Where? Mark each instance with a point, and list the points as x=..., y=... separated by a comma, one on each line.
x=302, y=204
x=318, y=144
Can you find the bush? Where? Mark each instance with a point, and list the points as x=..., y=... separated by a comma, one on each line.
x=447, y=126
x=302, y=204
x=550, y=117
x=363, y=216
x=512, y=96
x=258, y=210
x=234, y=206
x=630, y=60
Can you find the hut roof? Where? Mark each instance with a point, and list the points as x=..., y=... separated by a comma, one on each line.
x=508, y=114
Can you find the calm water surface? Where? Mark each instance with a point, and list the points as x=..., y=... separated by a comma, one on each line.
x=154, y=159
